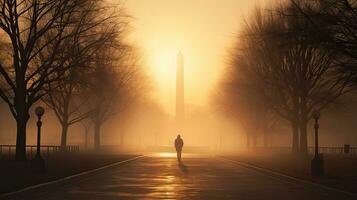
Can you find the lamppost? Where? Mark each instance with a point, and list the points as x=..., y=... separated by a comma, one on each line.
x=38, y=163
x=317, y=163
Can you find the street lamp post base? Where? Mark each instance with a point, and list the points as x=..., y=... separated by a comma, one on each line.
x=38, y=165
x=317, y=166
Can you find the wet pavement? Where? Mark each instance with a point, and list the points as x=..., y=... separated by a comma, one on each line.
x=160, y=177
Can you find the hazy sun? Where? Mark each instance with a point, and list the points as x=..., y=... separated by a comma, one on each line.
x=164, y=64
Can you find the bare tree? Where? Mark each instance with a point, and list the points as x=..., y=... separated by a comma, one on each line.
x=243, y=102
x=67, y=98
x=294, y=76
x=334, y=24
x=113, y=82
x=26, y=24
x=68, y=103
x=86, y=126
x=37, y=31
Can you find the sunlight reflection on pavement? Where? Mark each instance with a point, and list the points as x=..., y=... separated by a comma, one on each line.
x=159, y=176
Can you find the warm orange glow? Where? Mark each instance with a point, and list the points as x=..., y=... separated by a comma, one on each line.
x=167, y=155
x=201, y=29
x=163, y=66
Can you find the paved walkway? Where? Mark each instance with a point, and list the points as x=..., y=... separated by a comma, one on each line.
x=160, y=177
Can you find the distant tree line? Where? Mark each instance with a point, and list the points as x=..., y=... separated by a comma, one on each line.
x=289, y=61
x=70, y=54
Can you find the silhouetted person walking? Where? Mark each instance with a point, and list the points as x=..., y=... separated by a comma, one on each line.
x=178, y=146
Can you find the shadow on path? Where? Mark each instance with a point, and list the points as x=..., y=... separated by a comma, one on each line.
x=183, y=167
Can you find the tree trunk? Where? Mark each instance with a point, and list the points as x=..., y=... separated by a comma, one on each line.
x=97, y=135
x=64, y=136
x=295, y=142
x=21, y=124
x=303, y=136
x=22, y=117
x=303, y=127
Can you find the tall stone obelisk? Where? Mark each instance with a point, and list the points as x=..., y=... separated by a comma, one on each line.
x=180, y=95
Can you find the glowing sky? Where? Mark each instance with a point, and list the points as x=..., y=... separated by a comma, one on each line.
x=202, y=29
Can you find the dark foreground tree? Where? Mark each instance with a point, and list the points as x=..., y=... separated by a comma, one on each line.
x=36, y=31
x=334, y=24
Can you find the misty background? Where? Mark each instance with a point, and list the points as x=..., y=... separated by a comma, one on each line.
x=150, y=120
